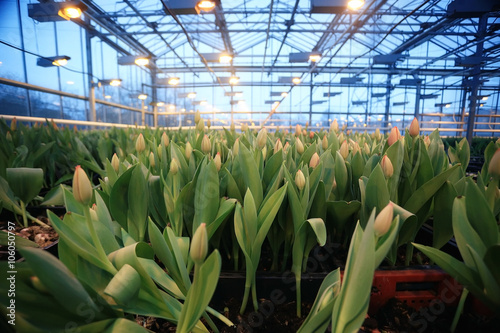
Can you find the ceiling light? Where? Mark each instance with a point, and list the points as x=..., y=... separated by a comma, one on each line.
x=70, y=82
x=205, y=6
x=173, y=81
x=225, y=58
x=484, y=98
x=355, y=4
x=241, y=102
x=53, y=61
x=284, y=94
x=142, y=96
x=171, y=106
x=234, y=80
x=296, y=80
x=160, y=104
x=141, y=61
x=203, y=102
x=107, y=96
x=70, y=12
x=115, y=82
x=191, y=95
x=315, y=57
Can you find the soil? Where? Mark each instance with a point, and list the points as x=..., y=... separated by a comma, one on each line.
x=43, y=236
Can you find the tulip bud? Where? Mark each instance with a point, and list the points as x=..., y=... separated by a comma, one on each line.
x=197, y=117
x=366, y=149
x=334, y=126
x=262, y=138
x=152, y=159
x=165, y=139
x=236, y=146
x=217, y=161
x=8, y=136
x=341, y=137
x=329, y=294
x=115, y=162
x=387, y=167
x=140, y=144
x=324, y=143
x=355, y=148
x=159, y=151
x=344, y=149
x=299, y=145
x=200, y=126
x=393, y=136
x=38, y=285
x=494, y=167
x=209, y=123
x=427, y=141
x=244, y=127
x=13, y=124
x=82, y=189
x=414, y=128
x=383, y=221
x=205, y=144
x=93, y=212
x=278, y=146
x=298, y=130
x=232, y=127
x=311, y=135
x=377, y=134
x=264, y=152
x=174, y=167
x=286, y=147
x=304, y=132
x=199, y=245
x=314, y=161
x=300, y=180
x=188, y=150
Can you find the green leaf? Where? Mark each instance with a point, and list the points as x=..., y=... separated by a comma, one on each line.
x=425, y=192
x=7, y=198
x=491, y=286
x=443, y=205
x=58, y=280
x=55, y=196
x=250, y=174
x=206, y=195
x=341, y=176
x=267, y=214
x=377, y=194
x=200, y=293
x=125, y=285
x=480, y=215
x=465, y=233
x=26, y=183
x=396, y=155
x=19, y=241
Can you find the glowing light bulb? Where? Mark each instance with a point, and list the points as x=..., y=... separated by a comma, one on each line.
x=296, y=80
x=234, y=80
x=141, y=61
x=115, y=83
x=60, y=62
x=173, y=81
x=142, y=96
x=355, y=4
x=191, y=95
x=70, y=13
x=284, y=94
x=206, y=5
x=315, y=57
x=225, y=58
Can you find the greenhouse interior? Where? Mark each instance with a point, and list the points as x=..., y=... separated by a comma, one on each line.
x=250, y=166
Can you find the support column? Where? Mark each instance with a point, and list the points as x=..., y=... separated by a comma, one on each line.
x=311, y=100
x=416, y=114
x=476, y=77
x=88, y=40
x=388, y=99
x=154, y=93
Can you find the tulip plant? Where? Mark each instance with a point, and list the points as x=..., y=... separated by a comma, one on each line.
x=150, y=236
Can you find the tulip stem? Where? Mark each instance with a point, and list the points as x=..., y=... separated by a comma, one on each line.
x=460, y=308
x=97, y=242
x=25, y=218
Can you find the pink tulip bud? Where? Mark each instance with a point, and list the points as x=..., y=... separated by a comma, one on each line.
x=387, y=167
x=278, y=146
x=314, y=161
x=414, y=128
x=393, y=136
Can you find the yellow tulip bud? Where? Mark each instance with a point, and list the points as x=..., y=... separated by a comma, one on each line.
x=334, y=126
x=314, y=161
x=209, y=123
x=165, y=139
x=244, y=127
x=299, y=145
x=324, y=143
x=383, y=221
x=217, y=161
x=344, y=149
x=197, y=117
x=13, y=124
x=82, y=189
x=286, y=147
x=188, y=150
x=414, y=128
x=200, y=126
x=115, y=162
x=159, y=151
x=377, y=134
x=206, y=146
x=300, y=180
x=140, y=144
x=262, y=138
x=236, y=146
x=232, y=127
x=174, y=167
x=366, y=148
x=8, y=136
x=278, y=146
x=494, y=167
x=298, y=130
x=152, y=159
x=199, y=245
x=264, y=152
x=387, y=167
